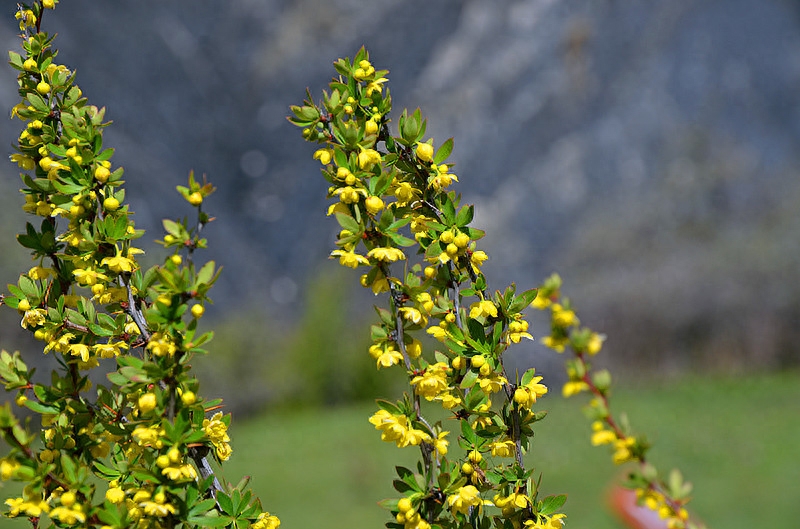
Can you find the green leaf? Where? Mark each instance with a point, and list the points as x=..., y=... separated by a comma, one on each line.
x=468, y=433
x=349, y=223
x=38, y=102
x=465, y=215
x=225, y=503
x=551, y=504
x=522, y=301
x=469, y=379
x=444, y=151
x=206, y=273
x=40, y=408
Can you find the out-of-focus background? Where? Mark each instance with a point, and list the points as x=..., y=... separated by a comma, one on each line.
x=648, y=151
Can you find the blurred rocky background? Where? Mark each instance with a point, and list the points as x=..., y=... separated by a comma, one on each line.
x=646, y=150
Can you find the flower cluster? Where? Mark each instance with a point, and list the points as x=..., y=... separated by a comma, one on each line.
x=405, y=227
x=146, y=433
x=665, y=497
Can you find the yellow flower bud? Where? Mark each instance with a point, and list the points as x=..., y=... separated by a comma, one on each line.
x=461, y=240
x=374, y=204
x=101, y=174
x=111, y=204
x=24, y=304
x=176, y=259
x=478, y=361
x=147, y=402
x=404, y=505
x=424, y=152
x=29, y=64
x=43, y=88
x=447, y=236
x=68, y=499
x=198, y=311
x=195, y=198
x=188, y=398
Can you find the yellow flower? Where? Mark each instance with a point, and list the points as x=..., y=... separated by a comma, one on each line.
x=364, y=70
x=385, y=354
x=492, y=383
x=448, y=400
x=265, y=521
x=503, y=448
x=8, y=468
x=388, y=255
x=405, y=193
x=24, y=162
x=441, y=177
x=81, y=350
x=595, y=343
x=413, y=315
x=33, y=318
x=367, y=158
x=601, y=436
x=563, y=317
x=574, y=387
x=517, y=330
x=414, y=349
x=349, y=195
x=466, y=497
x=215, y=429
x=375, y=86
x=89, y=276
x=396, y=428
x=161, y=344
x=556, y=343
x=432, y=382
x=349, y=258
x=323, y=155
x=546, y=522
x=622, y=450
x=148, y=436
x=120, y=263
x=526, y=395
x=68, y=515
x=440, y=443
x=115, y=494
x=484, y=308
x=437, y=332
x=512, y=502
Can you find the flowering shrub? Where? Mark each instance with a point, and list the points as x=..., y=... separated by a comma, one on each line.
x=135, y=452
x=402, y=222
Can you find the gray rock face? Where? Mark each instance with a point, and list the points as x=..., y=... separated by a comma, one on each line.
x=648, y=151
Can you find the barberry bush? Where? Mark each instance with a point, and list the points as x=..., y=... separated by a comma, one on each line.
x=404, y=226
x=138, y=451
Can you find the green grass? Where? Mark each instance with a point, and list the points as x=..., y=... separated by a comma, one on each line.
x=734, y=438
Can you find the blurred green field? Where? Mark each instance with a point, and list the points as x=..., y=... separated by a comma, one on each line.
x=736, y=439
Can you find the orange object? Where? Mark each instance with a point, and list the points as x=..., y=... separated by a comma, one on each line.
x=623, y=505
